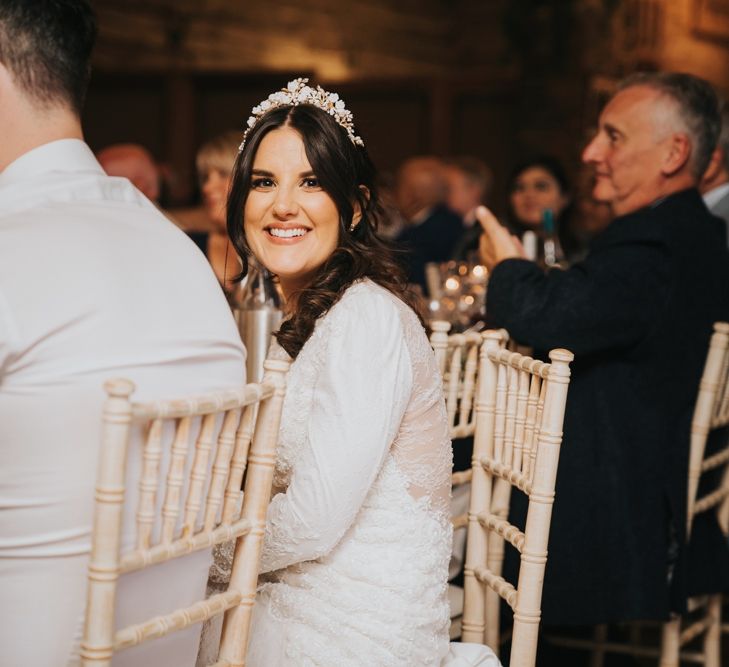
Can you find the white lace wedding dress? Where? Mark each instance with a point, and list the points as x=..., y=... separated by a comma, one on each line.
x=358, y=537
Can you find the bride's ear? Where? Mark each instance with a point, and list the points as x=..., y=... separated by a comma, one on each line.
x=357, y=215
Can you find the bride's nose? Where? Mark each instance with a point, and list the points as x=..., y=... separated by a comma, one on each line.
x=285, y=205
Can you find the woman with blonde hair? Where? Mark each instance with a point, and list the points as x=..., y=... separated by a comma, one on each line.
x=214, y=163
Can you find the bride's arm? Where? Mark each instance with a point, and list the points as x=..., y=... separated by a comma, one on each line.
x=359, y=400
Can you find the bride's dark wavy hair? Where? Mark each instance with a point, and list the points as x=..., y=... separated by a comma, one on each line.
x=346, y=173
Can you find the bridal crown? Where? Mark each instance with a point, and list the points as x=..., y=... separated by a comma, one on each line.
x=299, y=92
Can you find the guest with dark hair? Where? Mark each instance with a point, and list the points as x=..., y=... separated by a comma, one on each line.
x=538, y=192
x=358, y=537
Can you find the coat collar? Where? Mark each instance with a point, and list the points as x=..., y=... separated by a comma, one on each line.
x=646, y=224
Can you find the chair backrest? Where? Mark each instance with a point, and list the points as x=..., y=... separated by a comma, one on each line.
x=457, y=359
x=519, y=415
x=711, y=412
x=190, y=514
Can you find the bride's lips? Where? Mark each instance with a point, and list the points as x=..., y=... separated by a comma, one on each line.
x=286, y=234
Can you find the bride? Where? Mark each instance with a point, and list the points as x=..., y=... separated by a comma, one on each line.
x=358, y=534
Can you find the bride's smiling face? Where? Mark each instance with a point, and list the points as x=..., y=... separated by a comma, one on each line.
x=291, y=224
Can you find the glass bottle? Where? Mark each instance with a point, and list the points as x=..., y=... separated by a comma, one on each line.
x=257, y=308
x=543, y=247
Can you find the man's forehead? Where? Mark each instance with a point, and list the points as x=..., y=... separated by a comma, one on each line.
x=631, y=107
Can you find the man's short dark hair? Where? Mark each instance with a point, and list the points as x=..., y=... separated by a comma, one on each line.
x=46, y=46
x=698, y=108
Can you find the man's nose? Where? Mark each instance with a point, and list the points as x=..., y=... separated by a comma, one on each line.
x=593, y=151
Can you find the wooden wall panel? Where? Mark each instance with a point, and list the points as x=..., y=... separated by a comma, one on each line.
x=123, y=108
x=392, y=117
x=484, y=127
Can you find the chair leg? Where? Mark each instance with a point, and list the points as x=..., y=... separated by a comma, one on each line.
x=712, y=639
x=597, y=659
x=670, y=643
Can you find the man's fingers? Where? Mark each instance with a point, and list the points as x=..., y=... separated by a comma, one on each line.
x=487, y=219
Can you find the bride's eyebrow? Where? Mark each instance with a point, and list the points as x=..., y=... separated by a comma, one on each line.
x=261, y=172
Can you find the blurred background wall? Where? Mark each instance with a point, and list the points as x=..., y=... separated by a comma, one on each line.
x=498, y=79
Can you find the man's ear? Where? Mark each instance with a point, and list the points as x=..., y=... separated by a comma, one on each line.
x=677, y=155
x=357, y=216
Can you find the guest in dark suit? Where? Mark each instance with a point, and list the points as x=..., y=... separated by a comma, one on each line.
x=432, y=229
x=714, y=185
x=637, y=313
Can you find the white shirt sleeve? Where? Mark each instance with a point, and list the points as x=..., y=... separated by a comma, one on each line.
x=359, y=400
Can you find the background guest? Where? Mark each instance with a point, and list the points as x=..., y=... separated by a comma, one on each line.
x=534, y=186
x=214, y=164
x=123, y=293
x=714, y=184
x=432, y=230
x=638, y=313
x=134, y=162
x=468, y=185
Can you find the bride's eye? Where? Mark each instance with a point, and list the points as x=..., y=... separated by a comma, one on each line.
x=311, y=182
x=261, y=182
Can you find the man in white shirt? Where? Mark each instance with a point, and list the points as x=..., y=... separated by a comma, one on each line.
x=714, y=185
x=94, y=284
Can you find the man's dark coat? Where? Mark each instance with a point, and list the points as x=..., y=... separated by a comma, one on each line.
x=637, y=313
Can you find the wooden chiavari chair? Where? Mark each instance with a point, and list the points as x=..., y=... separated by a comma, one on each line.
x=173, y=525
x=711, y=412
x=457, y=359
x=518, y=432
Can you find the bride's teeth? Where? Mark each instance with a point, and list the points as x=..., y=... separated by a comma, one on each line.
x=286, y=233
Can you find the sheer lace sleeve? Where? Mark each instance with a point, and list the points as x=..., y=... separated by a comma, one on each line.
x=360, y=396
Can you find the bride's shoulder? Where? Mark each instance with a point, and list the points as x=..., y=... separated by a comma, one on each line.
x=366, y=299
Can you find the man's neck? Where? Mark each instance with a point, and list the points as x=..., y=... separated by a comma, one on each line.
x=24, y=132
x=626, y=207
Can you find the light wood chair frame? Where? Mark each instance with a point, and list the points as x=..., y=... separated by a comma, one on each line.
x=457, y=358
x=519, y=416
x=711, y=411
x=248, y=435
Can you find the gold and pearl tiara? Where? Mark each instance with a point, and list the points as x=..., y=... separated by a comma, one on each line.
x=299, y=92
